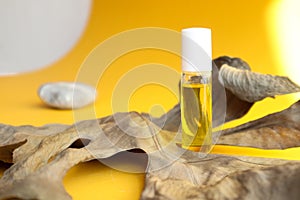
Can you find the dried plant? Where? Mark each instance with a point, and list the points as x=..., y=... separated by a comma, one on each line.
x=41, y=156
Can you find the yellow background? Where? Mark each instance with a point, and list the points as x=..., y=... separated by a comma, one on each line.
x=246, y=29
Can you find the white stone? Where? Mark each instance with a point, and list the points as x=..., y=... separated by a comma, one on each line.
x=67, y=95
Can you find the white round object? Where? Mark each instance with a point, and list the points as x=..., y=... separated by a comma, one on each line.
x=67, y=95
x=34, y=34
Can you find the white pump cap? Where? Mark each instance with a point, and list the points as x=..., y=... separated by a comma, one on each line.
x=196, y=50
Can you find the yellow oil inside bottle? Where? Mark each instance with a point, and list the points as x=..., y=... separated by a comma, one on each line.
x=196, y=116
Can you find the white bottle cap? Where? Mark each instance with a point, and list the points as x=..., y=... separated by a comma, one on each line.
x=196, y=50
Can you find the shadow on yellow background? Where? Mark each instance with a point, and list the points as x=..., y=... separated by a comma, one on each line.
x=245, y=29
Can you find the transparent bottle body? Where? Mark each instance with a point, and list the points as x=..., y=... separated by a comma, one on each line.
x=196, y=111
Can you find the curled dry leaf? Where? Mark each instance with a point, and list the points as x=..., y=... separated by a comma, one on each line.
x=235, y=106
x=243, y=87
x=251, y=86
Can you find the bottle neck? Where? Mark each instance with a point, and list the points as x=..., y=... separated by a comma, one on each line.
x=196, y=77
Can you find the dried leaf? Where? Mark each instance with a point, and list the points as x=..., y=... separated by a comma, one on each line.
x=251, y=86
x=41, y=156
x=171, y=170
x=235, y=106
x=49, y=160
x=12, y=137
x=237, y=63
x=231, y=179
x=280, y=130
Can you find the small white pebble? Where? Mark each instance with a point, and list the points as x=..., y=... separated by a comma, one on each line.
x=67, y=95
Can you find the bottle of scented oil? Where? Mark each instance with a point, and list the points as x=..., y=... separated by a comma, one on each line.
x=196, y=89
